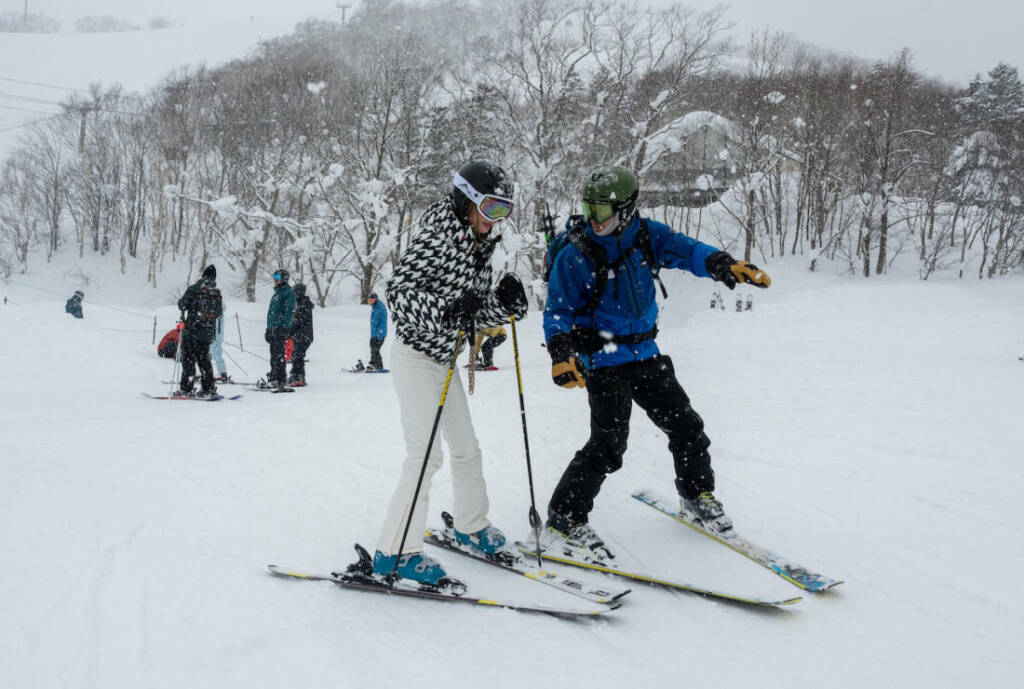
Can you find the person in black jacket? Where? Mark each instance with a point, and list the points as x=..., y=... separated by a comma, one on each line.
x=301, y=334
x=203, y=304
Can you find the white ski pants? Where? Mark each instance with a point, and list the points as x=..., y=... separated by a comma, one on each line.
x=419, y=381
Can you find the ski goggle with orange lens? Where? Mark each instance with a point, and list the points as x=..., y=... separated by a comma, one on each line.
x=494, y=208
x=598, y=212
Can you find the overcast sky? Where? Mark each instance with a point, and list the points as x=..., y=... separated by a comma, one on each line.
x=950, y=40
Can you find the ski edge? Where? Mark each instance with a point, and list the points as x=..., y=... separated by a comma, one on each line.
x=541, y=576
x=286, y=573
x=193, y=399
x=812, y=582
x=676, y=585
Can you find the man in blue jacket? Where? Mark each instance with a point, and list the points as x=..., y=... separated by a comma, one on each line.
x=378, y=331
x=600, y=323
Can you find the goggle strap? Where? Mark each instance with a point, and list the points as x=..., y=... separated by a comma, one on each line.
x=463, y=185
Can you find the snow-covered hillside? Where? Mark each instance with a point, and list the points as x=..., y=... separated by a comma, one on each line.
x=869, y=429
x=43, y=69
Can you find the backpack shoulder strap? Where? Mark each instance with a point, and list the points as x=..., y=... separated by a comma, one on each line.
x=599, y=258
x=646, y=246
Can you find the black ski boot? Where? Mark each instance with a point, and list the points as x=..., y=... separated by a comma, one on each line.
x=707, y=510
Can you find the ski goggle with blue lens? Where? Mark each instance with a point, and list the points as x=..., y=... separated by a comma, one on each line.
x=494, y=208
x=596, y=211
x=278, y=277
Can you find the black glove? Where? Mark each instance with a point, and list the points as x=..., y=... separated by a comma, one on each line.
x=566, y=368
x=268, y=335
x=512, y=296
x=460, y=311
x=730, y=272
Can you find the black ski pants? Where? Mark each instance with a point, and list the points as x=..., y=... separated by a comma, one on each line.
x=276, y=338
x=375, y=344
x=300, y=345
x=611, y=391
x=194, y=351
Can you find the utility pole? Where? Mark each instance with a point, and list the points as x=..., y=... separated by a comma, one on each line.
x=337, y=4
x=84, y=111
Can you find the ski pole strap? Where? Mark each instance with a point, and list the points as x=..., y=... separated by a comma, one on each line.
x=590, y=340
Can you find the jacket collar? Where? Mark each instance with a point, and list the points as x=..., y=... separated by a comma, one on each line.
x=623, y=237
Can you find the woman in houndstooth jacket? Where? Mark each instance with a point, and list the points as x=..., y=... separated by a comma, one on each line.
x=443, y=284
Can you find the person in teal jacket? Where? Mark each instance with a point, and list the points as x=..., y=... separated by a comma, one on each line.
x=279, y=323
x=378, y=331
x=74, y=304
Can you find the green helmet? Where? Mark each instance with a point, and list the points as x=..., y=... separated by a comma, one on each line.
x=608, y=191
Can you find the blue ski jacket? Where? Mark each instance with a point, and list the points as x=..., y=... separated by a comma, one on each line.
x=628, y=305
x=379, y=320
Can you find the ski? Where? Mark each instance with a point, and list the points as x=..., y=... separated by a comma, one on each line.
x=357, y=578
x=218, y=381
x=790, y=571
x=511, y=562
x=578, y=557
x=214, y=398
x=363, y=370
x=271, y=389
x=483, y=368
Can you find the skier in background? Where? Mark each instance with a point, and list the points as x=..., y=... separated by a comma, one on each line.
x=487, y=340
x=217, y=351
x=168, y=345
x=301, y=334
x=442, y=286
x=74, y=304
x=378, y=331
x=279, y=322
x=607, y=346
x=203, y=305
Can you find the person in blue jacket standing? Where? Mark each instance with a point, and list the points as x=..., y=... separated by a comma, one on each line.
x=217, y=351
x=378, y=331
x=600, y=323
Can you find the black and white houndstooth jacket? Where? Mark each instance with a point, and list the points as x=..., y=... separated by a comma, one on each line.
x=442, y=262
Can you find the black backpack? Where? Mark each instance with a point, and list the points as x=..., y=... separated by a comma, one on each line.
x=576, y=234
x=206, y=307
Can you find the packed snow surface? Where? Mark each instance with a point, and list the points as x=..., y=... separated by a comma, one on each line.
x=869, y=429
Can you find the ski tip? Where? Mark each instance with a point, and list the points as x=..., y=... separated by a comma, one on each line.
x=289, y=574
x=789, y=601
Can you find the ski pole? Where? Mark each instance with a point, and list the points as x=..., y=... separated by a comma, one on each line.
x=179, y=326
x=426, y=456
x=534, y=517
x=238, y=324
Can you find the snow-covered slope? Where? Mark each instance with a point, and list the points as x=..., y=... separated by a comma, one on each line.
x=870, y=429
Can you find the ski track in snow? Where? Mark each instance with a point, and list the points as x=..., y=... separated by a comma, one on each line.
x=869, y=430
